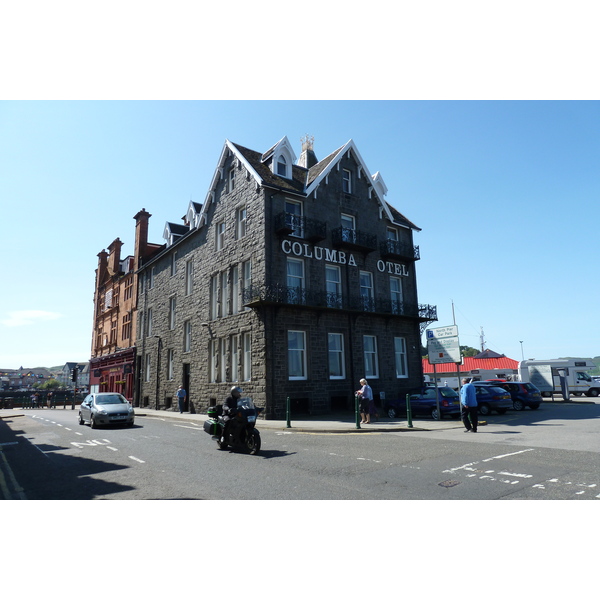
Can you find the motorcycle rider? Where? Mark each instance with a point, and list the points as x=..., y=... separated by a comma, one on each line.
x=229, y=407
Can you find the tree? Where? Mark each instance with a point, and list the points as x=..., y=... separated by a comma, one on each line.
x=51, y=384
x=467, y=351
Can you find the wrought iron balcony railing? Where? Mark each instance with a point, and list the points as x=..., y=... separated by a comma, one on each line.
x=354, y=238
x=257, y=295
x=394, y=249
x=302, y=227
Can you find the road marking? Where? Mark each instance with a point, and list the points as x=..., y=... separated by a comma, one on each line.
x=18, y=493
x=468, y=466
x=187, y=427
x=138, y=459
x=113, y=449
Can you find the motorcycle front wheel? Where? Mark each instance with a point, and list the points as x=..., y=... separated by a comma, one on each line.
x=253, y=442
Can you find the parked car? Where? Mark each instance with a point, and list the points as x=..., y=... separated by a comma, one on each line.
x=522, y=394
x=106, y=408
x=424, y=404
x=490, y=397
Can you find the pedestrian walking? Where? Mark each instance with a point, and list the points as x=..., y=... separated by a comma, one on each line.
x=181, y=395
x=367, y=403
x=468, y=406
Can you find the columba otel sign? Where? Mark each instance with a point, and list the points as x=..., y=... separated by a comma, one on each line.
x=338, y=257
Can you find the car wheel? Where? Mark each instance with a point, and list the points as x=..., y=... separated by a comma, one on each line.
x=434, y=413
x=81, y=421
x=593, y=393
x=484, y=409
x=518, y=405
x=392, y=413
x=93, y=422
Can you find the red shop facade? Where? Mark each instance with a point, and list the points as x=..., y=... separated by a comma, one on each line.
x=114, y=373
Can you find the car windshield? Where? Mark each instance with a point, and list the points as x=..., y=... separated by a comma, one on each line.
x=111, y=399
x=448, y=393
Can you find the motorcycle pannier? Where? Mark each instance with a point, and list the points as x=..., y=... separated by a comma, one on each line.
x=212, y=427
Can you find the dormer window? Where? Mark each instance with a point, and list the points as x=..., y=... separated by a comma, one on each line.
x=282, y=166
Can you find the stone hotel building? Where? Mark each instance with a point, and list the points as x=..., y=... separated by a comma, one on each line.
x=294, y=279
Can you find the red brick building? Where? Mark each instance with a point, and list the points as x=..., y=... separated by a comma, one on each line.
x=112, y=362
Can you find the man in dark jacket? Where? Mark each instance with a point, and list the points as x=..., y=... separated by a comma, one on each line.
x=229, y=407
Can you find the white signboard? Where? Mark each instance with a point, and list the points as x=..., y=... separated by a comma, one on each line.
x=443, y=346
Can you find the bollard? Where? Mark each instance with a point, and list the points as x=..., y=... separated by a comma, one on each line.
x=357, y=410
x=408, y=411
x=287, y=412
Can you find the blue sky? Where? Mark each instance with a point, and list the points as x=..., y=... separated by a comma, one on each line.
x=505, y=192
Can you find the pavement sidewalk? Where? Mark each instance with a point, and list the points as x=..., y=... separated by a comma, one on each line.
x=335, y=423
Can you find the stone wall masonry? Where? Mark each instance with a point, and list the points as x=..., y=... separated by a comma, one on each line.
x=269, y=324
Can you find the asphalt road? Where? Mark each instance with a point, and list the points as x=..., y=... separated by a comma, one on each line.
x=547, y=454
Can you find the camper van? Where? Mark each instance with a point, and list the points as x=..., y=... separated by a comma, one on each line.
x=545, y=375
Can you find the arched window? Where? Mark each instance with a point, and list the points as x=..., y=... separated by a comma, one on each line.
x=281, y=166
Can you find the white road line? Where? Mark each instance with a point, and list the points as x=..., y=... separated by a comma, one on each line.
x=469, y=465
x=138, y=459
x=113, y=449
x=186, y=427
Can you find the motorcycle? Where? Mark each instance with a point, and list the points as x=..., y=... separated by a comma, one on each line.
x=242, y=432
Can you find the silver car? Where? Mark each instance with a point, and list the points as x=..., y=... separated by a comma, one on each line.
x=106, y=408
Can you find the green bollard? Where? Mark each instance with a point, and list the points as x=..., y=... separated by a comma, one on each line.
x=408, y=411
x=287, y=412
x=357, y=410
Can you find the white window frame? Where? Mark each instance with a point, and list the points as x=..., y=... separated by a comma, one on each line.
x=297, y=356
x=224, y=294
x=214, y=297
x=247, y=277
x=189, y=276
x=333, y=286
x=173, y=264
x=370, y=356
x=148, y=369
x=170, y=364
x=282, y=162
x=396, y=295
x=172, y=312
x=231, y=180
x=400, y=358
x=347, y=181
x=212, y=360
x=367, y=293
x=220, y=235
x=235, y=358
x=187, y=336
x=223, y=360
x=235, y=290
x=338, y=353
x=294, y=211
x=247, y=356
x=348, y=227
x=241, y=221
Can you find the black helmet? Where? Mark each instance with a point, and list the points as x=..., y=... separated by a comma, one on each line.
x=237, y=390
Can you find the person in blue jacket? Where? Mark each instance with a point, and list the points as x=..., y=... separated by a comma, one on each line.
x=468, y=406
